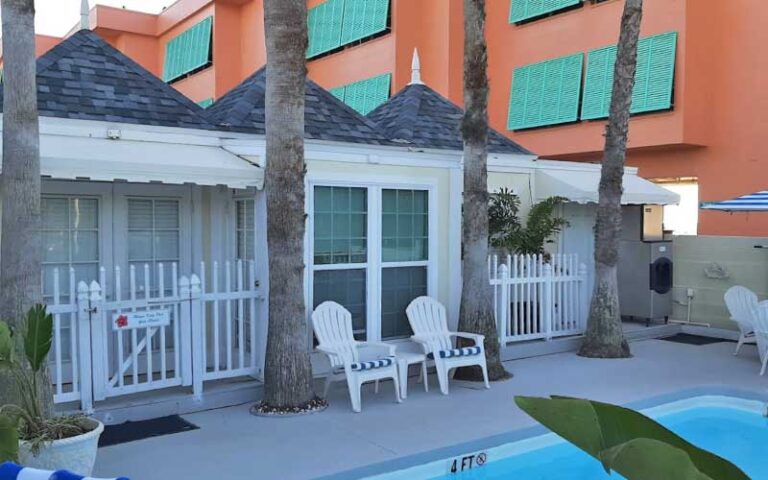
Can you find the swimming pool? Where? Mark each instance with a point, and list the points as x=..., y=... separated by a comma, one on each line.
x=734, y=428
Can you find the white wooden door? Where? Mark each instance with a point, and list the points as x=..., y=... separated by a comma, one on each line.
x=579, y=237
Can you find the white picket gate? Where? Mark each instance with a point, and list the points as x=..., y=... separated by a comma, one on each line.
x=204, y=334
x=538, y=298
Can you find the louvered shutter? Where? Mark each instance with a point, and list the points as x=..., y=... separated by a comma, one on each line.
x=338, y=92
x=598, y=83
x=363, y=18
x=354, y=18
x=364, y=96
x=659, y=74
x=545, y=93
x=188, y=51
x=324, y=23
x=312, y=29
x=654, y=78
x=205, y=103
x=521, y=10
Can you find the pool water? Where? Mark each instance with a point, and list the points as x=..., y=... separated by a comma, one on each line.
x=738, y=435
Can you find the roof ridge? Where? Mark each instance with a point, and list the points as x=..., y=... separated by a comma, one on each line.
x=146, y=75
x=220, y=114
x=414, y=109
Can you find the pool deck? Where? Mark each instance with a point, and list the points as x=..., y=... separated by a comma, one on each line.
x=232, y=444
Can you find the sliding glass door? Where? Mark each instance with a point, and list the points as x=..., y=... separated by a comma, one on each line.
x=371, y=254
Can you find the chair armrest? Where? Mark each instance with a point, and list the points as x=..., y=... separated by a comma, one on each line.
x=478, y=339
x=334, y=357
x=387, y=349
x=427, y=342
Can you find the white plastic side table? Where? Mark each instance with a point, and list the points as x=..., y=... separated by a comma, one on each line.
x=404, y=360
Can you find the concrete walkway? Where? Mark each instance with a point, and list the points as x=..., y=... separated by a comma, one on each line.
x=231, y=444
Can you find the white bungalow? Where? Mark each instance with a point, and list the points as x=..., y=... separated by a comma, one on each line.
x=156, y=205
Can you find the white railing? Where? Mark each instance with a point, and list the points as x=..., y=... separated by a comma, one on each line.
x=211, y=333
x=538, y=298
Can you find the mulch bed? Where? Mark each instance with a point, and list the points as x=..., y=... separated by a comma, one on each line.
x=261, y=409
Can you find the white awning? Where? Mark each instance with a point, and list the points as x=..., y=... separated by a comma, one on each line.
x=100, y=159
x=581, y=186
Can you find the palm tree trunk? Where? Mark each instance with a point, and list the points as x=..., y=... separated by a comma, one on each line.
x=288, y=373
x=21, y=245
x=605, y=337
x=476, y=313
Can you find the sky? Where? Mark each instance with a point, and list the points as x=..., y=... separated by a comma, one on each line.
x=57, y=17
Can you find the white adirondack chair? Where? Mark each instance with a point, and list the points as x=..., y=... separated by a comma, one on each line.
x=357, y=362
x=429, y=323
x=741, y=303
x=760, y=320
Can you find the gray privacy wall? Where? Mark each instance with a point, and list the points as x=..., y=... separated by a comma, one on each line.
x=711, y=265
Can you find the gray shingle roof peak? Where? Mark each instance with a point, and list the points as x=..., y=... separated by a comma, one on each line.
x=84, y=77
x=420, y=117
x=325, y=117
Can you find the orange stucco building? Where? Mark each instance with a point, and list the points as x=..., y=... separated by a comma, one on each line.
x=709, y=135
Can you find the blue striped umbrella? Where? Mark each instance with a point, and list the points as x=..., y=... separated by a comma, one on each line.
x=754, y=202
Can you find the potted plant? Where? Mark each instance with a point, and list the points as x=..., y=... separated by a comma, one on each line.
x=508, y=235
x=29, y=434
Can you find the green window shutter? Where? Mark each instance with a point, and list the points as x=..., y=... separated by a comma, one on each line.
x=324, y=23
x=363, y=18
x=365, y=95
x=654, y=84
x=312, y=29
x=188, y=51
x=206, y=103
x=653, y=81
x=338, y=92
x=545, y=93
x=521, y=10
x=598, y=83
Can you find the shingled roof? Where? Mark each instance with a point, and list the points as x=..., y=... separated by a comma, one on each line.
x=325, y=117
x=420, y=117
x=84, y=77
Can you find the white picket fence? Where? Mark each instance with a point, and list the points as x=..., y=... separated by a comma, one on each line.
x=536, y=298
x=212, y=332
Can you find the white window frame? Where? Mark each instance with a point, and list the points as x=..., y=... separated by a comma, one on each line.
x=102, y=192
x=233, y=231
x=374, y=185
x=188, y=242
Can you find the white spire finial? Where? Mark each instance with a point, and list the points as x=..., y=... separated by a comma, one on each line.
x=84, y=13
x=416, y=69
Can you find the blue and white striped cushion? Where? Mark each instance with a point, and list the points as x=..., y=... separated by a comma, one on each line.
x=457, y=352
x=11, y=471
x=371, y=365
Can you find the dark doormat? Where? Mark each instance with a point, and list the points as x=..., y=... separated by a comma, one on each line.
x=689, y=339
x=132, y=431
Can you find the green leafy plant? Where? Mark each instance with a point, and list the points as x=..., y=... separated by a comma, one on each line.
x=509, y=234
x=29, y=421
x=626, y=441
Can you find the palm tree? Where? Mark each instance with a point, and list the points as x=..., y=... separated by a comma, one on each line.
x=288, y=373
x=476, y=313
x=21, y=244
x=604, y=337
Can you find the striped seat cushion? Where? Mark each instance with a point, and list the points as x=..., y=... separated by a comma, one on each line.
x=373, y=364
x=457, y=352
x=11, y=471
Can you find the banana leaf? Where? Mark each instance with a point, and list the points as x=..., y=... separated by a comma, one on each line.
x=628, y=442
x=38, y=338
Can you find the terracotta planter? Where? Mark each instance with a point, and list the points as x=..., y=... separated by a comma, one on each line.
x=76, y=454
